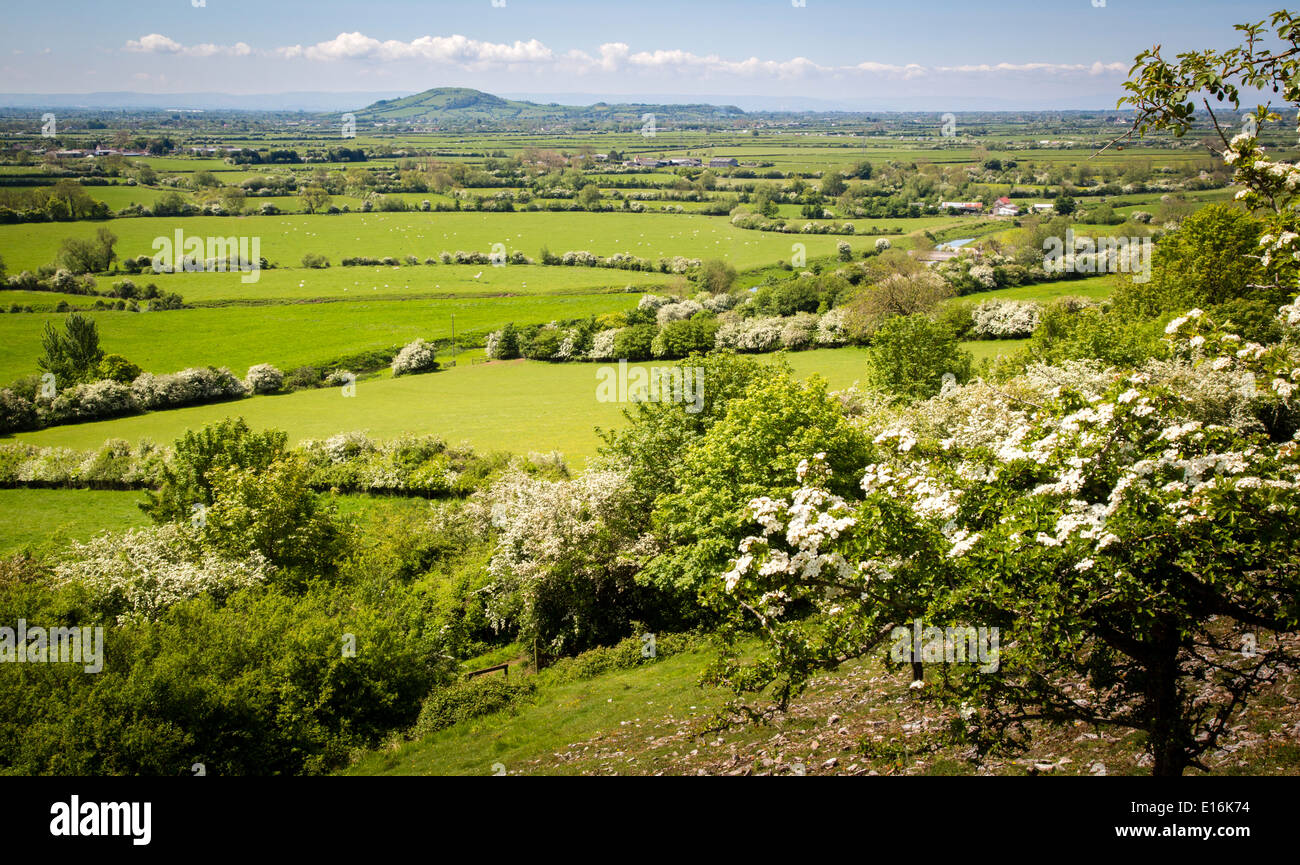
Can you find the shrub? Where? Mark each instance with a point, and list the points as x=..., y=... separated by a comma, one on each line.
x=830, y=329
x=144, y=571
x=910, y=356
x=1005, y=319
x=187, y=478
x=16, y=412
x=303, y=377
x=415, y=357
x=117, y=368
x=751, y=334
x=100, y=399
x=677, y=311
x=315, y=260
x=544, y=345
x=263, y=378
x=682, y=338
x=602, y=344
x=462, y=701
x=187, y=387
x=635, y=343
x=799, y=331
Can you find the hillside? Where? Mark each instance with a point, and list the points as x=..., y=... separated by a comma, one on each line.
x=453, y=107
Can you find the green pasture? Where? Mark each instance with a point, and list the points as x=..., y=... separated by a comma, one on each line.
x=46, y=520
x=285, y=239
x=395, y=283
x=289, y=335
x=519, y=406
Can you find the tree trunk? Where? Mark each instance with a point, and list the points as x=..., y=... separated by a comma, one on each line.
x=1166, y=738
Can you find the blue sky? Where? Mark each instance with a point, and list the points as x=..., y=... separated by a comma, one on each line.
x=925, y=54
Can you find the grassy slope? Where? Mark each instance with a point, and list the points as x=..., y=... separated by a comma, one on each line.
x=284, y=239
x=45, y=520
x=861, y=719
x=288, y=335
x=48, y=519
x=389, y=283
x=519, y=406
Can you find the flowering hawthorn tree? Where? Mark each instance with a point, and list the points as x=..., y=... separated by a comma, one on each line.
x=1141, y=564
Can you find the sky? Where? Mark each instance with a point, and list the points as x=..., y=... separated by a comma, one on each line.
x=926, y=55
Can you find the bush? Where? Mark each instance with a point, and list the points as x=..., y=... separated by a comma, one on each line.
x=799, y=331
x=303, y=377
x=544, y=345
x=635, y=343
x=462, y=701
x=254, y=685
x=17, y=413
x=315, y=260
x=187, y=387
x=1005, y=319
x=100, y=399
x=415, y=357
x=263, y=378
x=144, y=571
x=678, y=339
x=603, y=345
x=117, y=368
x=910, y=356
x=751, y=334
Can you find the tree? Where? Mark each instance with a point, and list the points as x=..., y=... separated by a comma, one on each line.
x=910, y=355
x=74, y=355
x=1063, y=205
x=88, y=256
x=589, y=197
x=188, y=478
x=907, y=290
x=1213, y=257
x=833, y=185
x=232, y=200
x=716, y=276
x=1146, y=586
x=314, y=198
x=271, y=510
x=860, y=170
x=751, y=451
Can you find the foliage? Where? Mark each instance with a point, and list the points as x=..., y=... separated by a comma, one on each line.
x=415, y=357
x=189, y=477
x=910, y=356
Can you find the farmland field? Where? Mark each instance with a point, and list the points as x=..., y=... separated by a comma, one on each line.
x=285, y=239
x=293, y=334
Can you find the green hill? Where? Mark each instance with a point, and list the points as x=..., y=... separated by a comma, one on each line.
x=452, y=107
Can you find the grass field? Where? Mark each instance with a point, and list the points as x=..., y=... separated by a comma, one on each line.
x=285, y=239
x=394, y=283
x=519, y=406
x=45, y=520
x=288, y=335
x=1094, y=287
x=36, y=520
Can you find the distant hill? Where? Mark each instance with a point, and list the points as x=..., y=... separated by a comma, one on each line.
x=458, y=107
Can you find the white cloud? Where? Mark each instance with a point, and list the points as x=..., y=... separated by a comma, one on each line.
x=457, y=49
x=156, y=43
x=612, y=57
